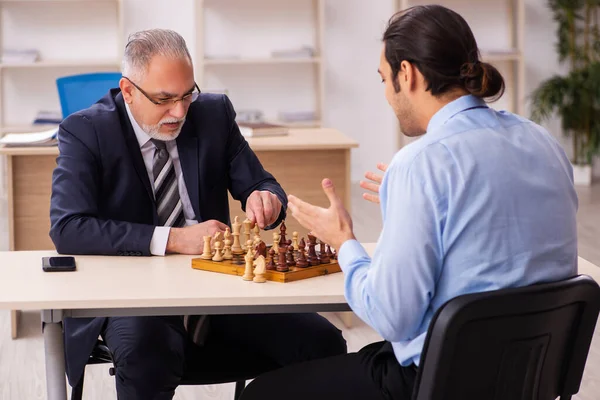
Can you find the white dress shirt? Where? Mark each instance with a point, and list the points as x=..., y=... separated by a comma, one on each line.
x=158, y=244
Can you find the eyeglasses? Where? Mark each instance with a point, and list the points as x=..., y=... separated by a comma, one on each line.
x=188, y=98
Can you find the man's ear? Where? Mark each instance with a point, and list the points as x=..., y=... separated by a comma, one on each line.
x=126, y=90
x=410, y=75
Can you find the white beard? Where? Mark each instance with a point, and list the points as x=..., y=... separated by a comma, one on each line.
x=154, y=130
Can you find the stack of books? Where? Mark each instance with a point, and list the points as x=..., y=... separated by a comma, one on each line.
x=34, y=139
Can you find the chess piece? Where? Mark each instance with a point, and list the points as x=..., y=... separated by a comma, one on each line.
x=260, y=270
x=236, y=248
x=248, y=275
x=323, y=256
x=207, y=251
x=290, y=257
x=256, y=232
x=218, y=254
x=271, y=266
x=301, y=259
x=312, y=254
x=281, y=262
x=227, y=254
x=302, y=244
x=260, y=249
x=247, y=224
x=282, y=229
x=276, y=242
x=329, y=252
x=295, y=241
x=217, y=239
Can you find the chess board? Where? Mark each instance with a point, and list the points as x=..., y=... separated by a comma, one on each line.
x=287, y=261
x=294, y=274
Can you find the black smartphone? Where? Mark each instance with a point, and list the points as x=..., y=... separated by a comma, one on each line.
x=58, y=264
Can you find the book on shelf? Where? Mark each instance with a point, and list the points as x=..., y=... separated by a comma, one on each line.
x=261, y=129
x=32, y=139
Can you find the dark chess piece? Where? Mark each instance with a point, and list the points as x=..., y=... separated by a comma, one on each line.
x=282, y=229
x=271, y=266
x=323, y=256
x=260, y=250
x=312, y=254
x=281, y=262
x=329, y=252
x=290, y=257
x=302, y=244
x=301, y=260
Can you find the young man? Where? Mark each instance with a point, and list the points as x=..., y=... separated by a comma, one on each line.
x=146, y=171
x=484, y=200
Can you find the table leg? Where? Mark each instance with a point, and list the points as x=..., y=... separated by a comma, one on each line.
x=56, y=385
x=14, y=323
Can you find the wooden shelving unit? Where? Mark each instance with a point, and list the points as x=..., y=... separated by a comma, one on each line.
x=204, y=64
x=512, y=57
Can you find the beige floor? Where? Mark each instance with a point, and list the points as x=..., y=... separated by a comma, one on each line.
x=22, y=361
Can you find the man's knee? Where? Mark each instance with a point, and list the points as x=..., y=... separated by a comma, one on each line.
x=146, y=351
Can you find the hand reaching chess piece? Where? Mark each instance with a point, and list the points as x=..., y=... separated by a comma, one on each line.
x=218, y=254
x=207, y=251
x=248, y=275
x=290, y=257
x=301, y=261
x=260, y=270
x=282, y=262
x=271, y=266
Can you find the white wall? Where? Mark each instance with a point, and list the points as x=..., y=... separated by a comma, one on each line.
x=354, y=98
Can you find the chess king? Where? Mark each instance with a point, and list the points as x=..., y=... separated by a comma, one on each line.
x=146, y=171
x=483, y=200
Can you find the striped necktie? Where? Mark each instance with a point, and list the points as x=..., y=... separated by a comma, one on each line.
x=170, y=213
x=166, y=191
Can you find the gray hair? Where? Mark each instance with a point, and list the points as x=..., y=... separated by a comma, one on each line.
x=142, y=46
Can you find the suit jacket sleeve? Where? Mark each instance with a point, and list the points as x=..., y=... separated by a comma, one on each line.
x=74, y=216
x=246, y=173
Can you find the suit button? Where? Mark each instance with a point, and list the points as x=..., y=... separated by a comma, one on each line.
x=138, y=253
x=119, y=253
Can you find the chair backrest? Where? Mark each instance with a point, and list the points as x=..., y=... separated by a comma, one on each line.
x=528, y=343
x=77, y=92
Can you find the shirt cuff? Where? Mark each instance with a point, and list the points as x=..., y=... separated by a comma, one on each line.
x=158, y=243
x=350, y=252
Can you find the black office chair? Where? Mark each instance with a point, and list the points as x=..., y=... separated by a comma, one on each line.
x=528, y=343
x=214, y=367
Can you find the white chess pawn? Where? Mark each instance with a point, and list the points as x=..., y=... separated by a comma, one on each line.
x=218, y=255
x=295, y=240
x=276, y=242
x=248, y=275
x=207, y=253
x=227, y=254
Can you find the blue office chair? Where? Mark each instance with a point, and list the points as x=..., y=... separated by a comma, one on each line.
x=77, y=92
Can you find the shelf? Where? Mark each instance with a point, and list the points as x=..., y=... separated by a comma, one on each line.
x=26, y=128
x=299, y=124
x=501, y=55
x=62, y=64
x=258, y=61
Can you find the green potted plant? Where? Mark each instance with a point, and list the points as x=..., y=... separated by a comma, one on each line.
x=575, y=97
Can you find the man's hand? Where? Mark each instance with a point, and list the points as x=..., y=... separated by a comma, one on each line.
x=262, y=208
x=331, y=225
x=373, y=186
x=190, y=240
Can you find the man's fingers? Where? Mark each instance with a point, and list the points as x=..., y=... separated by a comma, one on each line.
x=259, y=213
x=300, y=217
x=374, y=177
x=371, y=197
x=303, y=207
x=369, y=186
x=329, y=190
x=382, y=167
x=221, y=226
x=268, y=207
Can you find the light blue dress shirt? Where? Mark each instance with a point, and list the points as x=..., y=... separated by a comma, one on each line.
x=483, y=201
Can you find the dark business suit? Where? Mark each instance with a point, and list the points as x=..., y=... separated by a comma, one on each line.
x=102, y=200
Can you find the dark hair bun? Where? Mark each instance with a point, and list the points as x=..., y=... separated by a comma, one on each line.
x=482, y=80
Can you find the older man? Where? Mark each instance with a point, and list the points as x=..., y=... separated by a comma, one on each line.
x=146, y=171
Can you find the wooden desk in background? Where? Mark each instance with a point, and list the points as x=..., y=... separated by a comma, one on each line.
x=299, y=161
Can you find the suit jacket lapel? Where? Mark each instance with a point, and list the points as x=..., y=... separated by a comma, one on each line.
x=187, y=147
x=133, y=146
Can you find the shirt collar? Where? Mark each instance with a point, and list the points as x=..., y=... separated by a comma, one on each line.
x=142, y=137
x=451, y=109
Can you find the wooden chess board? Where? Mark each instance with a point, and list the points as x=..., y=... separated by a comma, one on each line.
x=294, y=274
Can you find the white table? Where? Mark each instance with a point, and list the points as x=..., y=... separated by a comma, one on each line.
x=122, y=286
x=127, y=286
